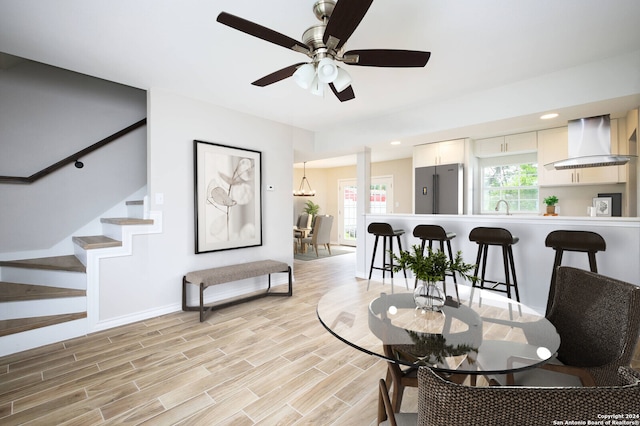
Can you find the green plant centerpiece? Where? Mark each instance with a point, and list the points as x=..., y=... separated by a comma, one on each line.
x=429, y=269
x=311, y=208
x=551, y=202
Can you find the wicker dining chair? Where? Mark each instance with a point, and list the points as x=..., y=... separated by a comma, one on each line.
x=598, y=320
x=443, y=403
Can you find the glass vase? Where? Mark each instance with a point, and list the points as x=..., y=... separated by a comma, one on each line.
x=428, y=296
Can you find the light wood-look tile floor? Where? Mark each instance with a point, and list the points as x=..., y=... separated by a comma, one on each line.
x=263, y=362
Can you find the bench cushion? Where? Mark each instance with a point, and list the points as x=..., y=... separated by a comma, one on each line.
x=241, y=271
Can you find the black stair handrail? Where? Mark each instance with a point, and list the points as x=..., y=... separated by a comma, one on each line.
x=73, y=157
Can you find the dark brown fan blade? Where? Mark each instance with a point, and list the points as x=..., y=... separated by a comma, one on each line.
x=259, y=31
x=346, y=95
x=387, y=58
x=344, y=20
x=277, y=76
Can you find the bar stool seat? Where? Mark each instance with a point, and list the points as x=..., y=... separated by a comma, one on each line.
x=501, y=237
x=577, y=241
x=433, y=233
x=386, y=231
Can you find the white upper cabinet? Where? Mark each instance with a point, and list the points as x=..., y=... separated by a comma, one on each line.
x=433, y=154
x=553, y=146
x=506, y=145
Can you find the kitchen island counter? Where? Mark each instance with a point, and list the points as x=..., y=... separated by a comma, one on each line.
x=533, y=260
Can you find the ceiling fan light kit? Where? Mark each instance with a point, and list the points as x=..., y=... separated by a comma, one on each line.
x=304, y=75
x=317, y=87
x=324, y=44
x=342, y=81
x=307, y=76
x=327, y=70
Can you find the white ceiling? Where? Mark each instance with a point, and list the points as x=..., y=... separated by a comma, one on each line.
x=496, y=65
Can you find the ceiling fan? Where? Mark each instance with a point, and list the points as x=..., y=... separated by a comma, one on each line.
x=324, y=44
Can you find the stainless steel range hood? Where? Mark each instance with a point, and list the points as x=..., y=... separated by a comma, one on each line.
x=589, y=145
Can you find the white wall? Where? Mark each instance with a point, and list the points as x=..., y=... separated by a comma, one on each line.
x=47, y=114
x=149, y=281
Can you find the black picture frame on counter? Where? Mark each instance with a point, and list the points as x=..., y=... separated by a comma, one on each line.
x=616, y=202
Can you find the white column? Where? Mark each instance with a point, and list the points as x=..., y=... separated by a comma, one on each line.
x=363, y=207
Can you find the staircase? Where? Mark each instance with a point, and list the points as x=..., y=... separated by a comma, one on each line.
x=51, y=299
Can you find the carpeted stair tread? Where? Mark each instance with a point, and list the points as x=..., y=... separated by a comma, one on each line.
x=19, y=325
x=13, y=292
x=55, y=263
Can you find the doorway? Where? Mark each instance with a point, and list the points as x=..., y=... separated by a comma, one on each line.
x=381, y=203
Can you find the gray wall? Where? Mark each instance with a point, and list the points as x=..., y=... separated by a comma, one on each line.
x=47, y=114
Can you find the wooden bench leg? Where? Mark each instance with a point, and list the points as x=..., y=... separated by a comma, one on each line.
x=201, y=308
x=201, y=302
x=184, y=293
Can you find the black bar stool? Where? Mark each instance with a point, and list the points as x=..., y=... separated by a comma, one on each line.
x=387, y=233
x=580, y=241
x=486, y=237
x=433, y=233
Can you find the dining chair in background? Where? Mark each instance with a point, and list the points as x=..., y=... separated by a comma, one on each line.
x=598, y=320
x=321, y=233
x=303, y=225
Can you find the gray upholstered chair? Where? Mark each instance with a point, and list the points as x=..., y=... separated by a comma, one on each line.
x=598, y=320
x=302, y=225
x=321, y=233
x=443, y=403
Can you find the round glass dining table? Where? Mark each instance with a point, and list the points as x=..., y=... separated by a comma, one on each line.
x=477, y=331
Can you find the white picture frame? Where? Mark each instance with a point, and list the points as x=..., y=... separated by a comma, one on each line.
x=602, y=205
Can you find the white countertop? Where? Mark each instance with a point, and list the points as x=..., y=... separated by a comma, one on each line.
x=493, y=217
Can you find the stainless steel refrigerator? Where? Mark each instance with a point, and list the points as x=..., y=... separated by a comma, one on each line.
x=439, y=189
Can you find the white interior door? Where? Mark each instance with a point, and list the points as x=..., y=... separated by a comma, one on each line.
x=381, y=203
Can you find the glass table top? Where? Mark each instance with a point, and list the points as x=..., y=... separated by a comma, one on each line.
x=476, y=332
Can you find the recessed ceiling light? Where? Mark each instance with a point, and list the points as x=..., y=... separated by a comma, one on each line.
x=548, y=116
x=395, y=142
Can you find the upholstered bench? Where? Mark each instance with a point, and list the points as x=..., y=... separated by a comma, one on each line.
x=224, y=274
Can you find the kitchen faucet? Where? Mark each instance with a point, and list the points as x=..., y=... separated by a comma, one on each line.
x=506, y=204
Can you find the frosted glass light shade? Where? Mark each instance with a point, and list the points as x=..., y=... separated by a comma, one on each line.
x=342, y=81
x=317, y=87
x=304, y=75
x=327, y=70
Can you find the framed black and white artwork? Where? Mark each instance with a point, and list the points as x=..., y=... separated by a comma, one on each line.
x=602, y=206
x=227, y=197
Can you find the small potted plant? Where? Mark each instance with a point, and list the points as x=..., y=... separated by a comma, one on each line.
x=551, y=202
x=430, y=268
